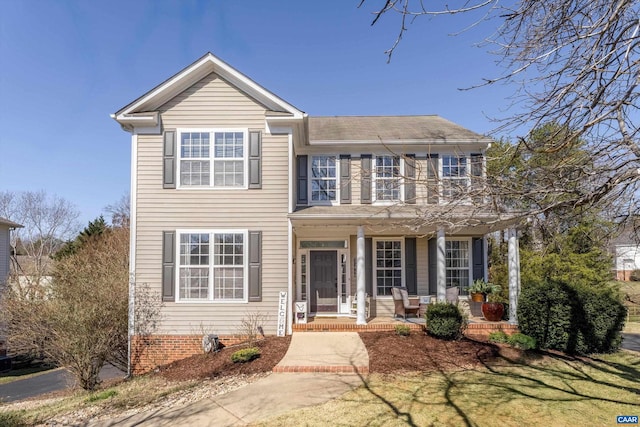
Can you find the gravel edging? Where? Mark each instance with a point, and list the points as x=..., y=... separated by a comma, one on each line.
x=102, y=412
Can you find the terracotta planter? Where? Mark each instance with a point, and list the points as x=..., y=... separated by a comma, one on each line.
x=477, y=297
x=493, y=311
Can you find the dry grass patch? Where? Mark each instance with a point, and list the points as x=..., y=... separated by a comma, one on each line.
x=80, y=404
x=555, y=391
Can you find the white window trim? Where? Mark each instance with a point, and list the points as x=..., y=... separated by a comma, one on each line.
x=374, y=180
x=374, y=266
x=245, y=265
x=441, y=180
x=312, y=202
x=212, y=131
x=469, y=241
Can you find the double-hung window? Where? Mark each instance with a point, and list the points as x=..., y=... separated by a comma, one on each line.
x=457, y=263
x=388, y=269
x=212, y=266
x=387, y=178
x=324, y=183
x=225, y=161
x=455, y=177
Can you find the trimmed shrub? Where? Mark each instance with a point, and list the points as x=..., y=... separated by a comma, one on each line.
x=444, y=320
x=403, y=330
x=635, y=276
x=572, y=319
x=498, y=336
x=245, y=355
x=522, y=341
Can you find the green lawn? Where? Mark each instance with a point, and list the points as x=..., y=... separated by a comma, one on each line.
x=556, y=392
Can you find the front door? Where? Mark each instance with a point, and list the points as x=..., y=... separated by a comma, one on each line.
x=324, y=281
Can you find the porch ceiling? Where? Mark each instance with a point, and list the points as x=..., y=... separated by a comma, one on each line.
x=407, y=219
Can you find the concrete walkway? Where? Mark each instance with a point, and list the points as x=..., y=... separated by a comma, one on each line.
x=325, y=352
x=318, y=367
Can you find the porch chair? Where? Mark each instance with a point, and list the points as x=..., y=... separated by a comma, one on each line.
x=452, y=294
x=401, y=303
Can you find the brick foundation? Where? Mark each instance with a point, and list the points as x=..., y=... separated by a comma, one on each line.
x=147, y=353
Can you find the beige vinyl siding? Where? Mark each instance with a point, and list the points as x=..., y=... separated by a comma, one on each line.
x=355, y=180
x=422, y=255
x=213, y=103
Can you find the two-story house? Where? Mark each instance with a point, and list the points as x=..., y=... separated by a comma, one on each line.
x=239, y=198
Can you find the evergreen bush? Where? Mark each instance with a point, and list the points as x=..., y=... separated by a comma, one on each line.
x=403, y=330
x=444, y=320
x=522, y=341
x=574, y=319
x=245, y=355
x=498, y=336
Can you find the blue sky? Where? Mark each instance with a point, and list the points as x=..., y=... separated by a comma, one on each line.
x=66, y=65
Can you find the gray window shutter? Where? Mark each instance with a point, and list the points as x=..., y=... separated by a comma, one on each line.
x=433, y=266
x=255, y=159
x=302, y=173
x=410, y=266
x=168, y=265
x=368, y=265
x=169, y=160
x=345, y=179
x=432, y=179
x=410, y=179
x=478, y=258
x=255, y=266
x=365, y=179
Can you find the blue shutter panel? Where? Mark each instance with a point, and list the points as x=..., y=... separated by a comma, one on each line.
x=410, y=266
x=410, y=179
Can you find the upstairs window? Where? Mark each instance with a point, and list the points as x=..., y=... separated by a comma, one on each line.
x=455, y=177
x=387, y=178
x=324, y=182
x=226, y=162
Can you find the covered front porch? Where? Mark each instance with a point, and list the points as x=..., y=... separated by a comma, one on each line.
x=345, y=266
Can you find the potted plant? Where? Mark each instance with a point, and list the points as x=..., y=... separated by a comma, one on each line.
x=480, y=289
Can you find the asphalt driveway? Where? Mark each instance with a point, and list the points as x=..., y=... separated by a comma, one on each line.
x=631, y=342
x=55, y=380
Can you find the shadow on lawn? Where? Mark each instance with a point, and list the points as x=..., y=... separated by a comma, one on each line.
x=473, y=395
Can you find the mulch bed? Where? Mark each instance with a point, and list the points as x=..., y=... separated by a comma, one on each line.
x=392, y=353
x=216, y=365
x=388, y=353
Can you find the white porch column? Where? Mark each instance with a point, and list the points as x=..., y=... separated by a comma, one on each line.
x=513, y=263
x=360, y=278
x=441, y=270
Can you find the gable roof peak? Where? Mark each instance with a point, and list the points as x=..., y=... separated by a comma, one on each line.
x=205, y=65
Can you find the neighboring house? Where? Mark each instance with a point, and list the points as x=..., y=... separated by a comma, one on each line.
x=5, y=247
x=5, y=255
x=237, y=197
x=626, y=252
